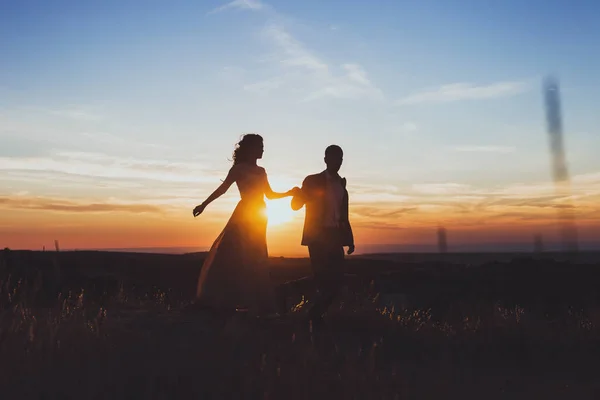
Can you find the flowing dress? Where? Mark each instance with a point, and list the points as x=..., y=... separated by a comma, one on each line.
x=235, y=274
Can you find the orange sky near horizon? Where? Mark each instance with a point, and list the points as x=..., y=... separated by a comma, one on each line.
x=34, y=222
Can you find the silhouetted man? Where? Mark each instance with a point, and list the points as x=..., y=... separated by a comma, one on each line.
x=326, y=228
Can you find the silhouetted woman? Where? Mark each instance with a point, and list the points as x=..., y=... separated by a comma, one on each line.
x=235, y=273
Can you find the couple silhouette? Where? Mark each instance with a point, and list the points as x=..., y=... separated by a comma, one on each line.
x=235, y=274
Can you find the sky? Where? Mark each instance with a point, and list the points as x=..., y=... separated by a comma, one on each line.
x=118, y=117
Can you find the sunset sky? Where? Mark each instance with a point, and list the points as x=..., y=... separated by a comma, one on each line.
x=118, y=117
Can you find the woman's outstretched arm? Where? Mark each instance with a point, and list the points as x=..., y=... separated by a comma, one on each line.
x=220, y=191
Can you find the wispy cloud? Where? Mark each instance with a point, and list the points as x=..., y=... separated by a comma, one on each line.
x=367, y=194
x=59, y=205
x=69, y=127
x=158, y=181
x=589, y=178
x=463, y=202
x=306, y=71
x=100, y=165
x=239, y=5
x=464, y=91
x=440, y=188
x=484, y=149
x=266, y=85
x=115, y=140
x=354, y=84
x=294, y=53
x=78, y=113
x=378, y=212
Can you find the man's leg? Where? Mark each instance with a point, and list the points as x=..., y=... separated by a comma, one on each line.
x=318, y=264
x=332, y=279
x=327, y=259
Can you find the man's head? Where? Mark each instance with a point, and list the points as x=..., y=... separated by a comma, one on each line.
x=334, y=157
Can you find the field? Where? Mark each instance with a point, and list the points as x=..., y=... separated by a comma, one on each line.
x=100, y=325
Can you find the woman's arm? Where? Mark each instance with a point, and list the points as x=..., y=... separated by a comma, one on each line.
x=220, y=191
x=271, y=195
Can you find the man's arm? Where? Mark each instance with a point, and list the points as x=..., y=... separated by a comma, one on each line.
x=300, y=197
x=351, y=247
x=350, y=234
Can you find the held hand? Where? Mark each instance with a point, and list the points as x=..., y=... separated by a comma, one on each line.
x=295, y=191
x=198, y=210
x=350, y=249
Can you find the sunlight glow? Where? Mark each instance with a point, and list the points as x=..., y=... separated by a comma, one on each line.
x=279, y=212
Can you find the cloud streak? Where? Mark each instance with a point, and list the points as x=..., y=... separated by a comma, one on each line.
x=303, y=70
x=459, y=205
x=353, y=85
x=59, y=205
x=349, y=80
x=377, y=212
x=464, y=91
x=77, y=113
x=440, y=188
x=100, y=165
x=80, y=174
x=253, y=5
x=266, y=85
x=484, y=149
x=294, y=53
x=40, y=130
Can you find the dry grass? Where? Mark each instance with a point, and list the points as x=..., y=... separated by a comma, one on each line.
x=135, y=344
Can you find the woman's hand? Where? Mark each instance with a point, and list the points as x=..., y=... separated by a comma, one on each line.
x=295, y=191
x=199, y=209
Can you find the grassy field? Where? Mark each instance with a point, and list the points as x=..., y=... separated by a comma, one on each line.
x=110, y=326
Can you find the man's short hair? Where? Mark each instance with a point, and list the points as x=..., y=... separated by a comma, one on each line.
x=333, y=149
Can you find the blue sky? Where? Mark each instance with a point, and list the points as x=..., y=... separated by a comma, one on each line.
x=142, y=101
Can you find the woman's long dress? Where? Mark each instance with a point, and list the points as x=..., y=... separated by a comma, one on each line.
x=235, y=273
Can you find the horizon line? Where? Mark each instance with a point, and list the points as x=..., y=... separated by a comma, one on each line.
x=368, y=249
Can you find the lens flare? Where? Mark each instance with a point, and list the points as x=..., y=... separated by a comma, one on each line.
x=279, y=212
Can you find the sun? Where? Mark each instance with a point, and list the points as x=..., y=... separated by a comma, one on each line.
x=279, y=212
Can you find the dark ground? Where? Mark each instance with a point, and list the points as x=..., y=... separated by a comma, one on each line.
x=115, y=325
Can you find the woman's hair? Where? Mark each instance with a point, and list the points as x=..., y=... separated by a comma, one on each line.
x=245, y=150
